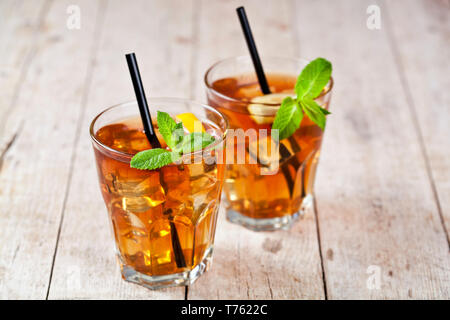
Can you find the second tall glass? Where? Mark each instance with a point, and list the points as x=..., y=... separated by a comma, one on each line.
x=256, y=200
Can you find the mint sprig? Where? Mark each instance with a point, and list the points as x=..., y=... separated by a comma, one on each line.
x=152, y=159
x=313, y=78
x=314, y=112
x=194, y=141
x=310, y=83
x=178, y=142
x=171, y=131
x=288, y=120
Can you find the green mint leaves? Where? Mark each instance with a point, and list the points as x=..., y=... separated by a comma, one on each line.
x=313, y=78
x=171, y=131
x=152, y=159
x=288, y=118
x=314, y=112
x=310, y=83
x=178, y=142
x=194, y=141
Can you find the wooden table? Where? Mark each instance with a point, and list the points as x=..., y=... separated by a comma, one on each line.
x=381, y=225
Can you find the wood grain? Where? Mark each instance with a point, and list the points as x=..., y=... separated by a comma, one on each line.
x=383, y=183
x=375, y=203
x=250, y=265
x=35, y=170
x=159, y=32
x=422, y=48
x=20, y=23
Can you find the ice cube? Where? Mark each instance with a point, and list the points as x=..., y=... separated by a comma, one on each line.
x=172, y=176
x=248, y=92
x=143, y=203
x=160, y=242
x=205, y=194
x=202, y=183
x=175, y=182
x=124, y=216
x=196, y=170
x=202, y=211
x=200, y=204
x=140, y=195
x=134, y=235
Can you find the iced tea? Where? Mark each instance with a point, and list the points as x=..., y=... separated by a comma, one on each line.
x=163, y=220
x=265, y=202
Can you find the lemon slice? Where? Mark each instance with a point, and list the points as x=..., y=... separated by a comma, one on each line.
x=190, y=122
x=260, y=112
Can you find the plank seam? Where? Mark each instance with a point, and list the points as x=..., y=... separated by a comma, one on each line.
x=414, y=117
x=84, y=98
x=27, y=63
x=324, y=277
x=270, y=285
x=8, y=146
x=195, y=40
x=193, y=66
x=296, y=36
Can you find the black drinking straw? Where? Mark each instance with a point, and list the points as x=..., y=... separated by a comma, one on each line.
x=153, y=139
x=262, y=80
x=142, y=100
x=253, y=51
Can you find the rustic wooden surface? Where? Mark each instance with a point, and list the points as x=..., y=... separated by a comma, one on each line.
x=383, y=186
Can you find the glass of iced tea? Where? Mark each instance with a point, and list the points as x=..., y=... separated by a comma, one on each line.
x=255, y=200
x=163, y=220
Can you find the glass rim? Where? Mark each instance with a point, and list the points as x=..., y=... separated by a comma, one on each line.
x=129, y=155
x=273, y=106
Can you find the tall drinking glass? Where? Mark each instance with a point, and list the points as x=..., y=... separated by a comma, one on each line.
x=255, y=200
x=163, y=220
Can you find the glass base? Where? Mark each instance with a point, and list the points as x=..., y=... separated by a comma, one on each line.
x=272, y=224
x=171, y=280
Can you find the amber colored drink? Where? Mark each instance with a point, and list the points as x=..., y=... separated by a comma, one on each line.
x=267, y=202
x=163, y=220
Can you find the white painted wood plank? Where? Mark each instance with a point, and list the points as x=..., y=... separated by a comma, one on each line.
x=423, y=49
x=35, y=170
x=20, y=23
x=160, y=34
x=250, y=265
x=375, y=203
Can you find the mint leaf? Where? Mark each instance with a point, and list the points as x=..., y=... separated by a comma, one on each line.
x=288, y=118
x=324, y=111
x=177, y=134
x=173, y=134
x=166, y=126
x=152, y=159
x=310, y=83
x=313, y=78
x=194, y=141
x=314, y=112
